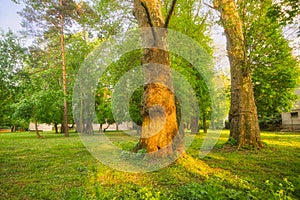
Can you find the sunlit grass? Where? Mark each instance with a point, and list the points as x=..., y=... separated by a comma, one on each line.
x=61, y=168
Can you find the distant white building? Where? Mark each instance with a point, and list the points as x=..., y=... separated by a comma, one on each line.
x=113, y=127
x=291, y=120
x=49, y=127
x=43, y=127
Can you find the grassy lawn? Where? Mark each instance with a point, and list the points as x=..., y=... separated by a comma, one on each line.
x=61, y=168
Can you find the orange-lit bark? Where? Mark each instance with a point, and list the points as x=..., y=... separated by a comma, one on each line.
x=159, y=111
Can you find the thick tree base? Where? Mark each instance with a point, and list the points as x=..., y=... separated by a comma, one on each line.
x=175, y=148
x=234, y=144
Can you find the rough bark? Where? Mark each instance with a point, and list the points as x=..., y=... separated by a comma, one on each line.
x=159, y=111
x=244, y=127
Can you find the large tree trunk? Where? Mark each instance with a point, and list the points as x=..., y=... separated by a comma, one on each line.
x=159, y=112
x=244, y=127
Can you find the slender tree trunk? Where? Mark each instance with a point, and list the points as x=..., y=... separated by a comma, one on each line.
x=244, y=127
x=159, y=112
x=204, y=123
x=178, y=141
x=13, y=129
x=79, y=124
x=100, y=128
x=56, y=128
x=36, y=128
x=64, y=70
x=194, y=125
x=62, y=129
x=106, y=127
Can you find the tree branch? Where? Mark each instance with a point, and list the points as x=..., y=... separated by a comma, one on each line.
x=147, y=13
x=212, y=7
x=170, y=13
x=149, y=20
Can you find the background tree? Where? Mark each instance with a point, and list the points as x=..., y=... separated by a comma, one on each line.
x=51, y=22
x=264, y=55
x=77, y=49
x=11, y=74
x=244, y=127
x=275, y=70
x=51, y=19
x=190, y=19
x=41, y=99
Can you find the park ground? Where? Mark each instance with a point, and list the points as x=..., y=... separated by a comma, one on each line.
x=56, y=167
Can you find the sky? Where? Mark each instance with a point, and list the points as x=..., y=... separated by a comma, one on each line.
x=9, y=17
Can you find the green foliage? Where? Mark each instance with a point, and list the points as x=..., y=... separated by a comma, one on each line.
x=222, y=189
x=210, y=190
x=45, y=105
x=284, y=11
x=42, y=17
x=115, y=16
x=117, y=81
x=12, y=60
x=231, y=141
x=191, y=19
x=275, y=71
x=148, y=194
x=282, y=191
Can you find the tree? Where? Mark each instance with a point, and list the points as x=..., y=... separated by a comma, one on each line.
x=159, y=111
x=188, y=19
x=52, y=18
x=244, y=127
x=64, y=68
x=11, y=74
x=126, y=72
x=41, y=99
x=259, y=56
x=275, y=70
x=77, y=49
